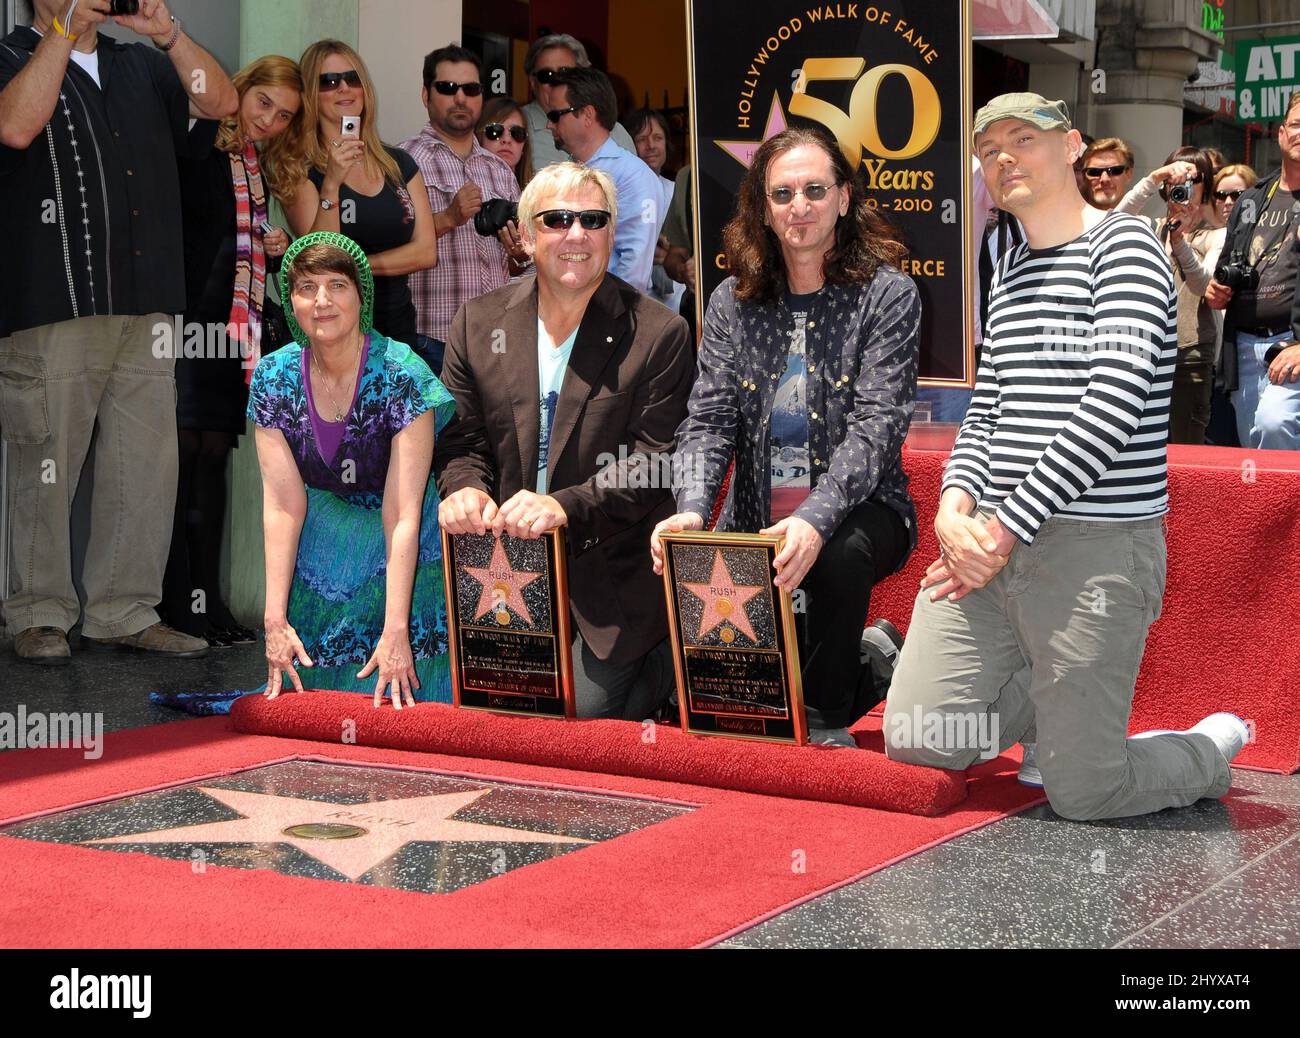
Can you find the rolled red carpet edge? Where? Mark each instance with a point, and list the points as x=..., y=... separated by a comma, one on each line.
x=861, y=778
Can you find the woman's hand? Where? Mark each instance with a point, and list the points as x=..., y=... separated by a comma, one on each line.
x=513, y=243
x=673, y=524
x=802, y=546
x=282, y=645
x=392, y=658
x=1175, y=172
x=468, y=510
x=275, y=243
x=343, y=155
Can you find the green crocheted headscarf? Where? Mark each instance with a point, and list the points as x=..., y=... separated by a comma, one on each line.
x=339, y=241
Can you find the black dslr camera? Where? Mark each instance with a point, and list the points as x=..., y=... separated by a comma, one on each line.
x=1237, y=274
x=495, y=214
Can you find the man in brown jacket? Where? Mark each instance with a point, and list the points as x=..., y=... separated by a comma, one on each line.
x=569, y=387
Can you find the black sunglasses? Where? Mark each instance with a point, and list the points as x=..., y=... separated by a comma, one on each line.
x=556, y=114
x=332, y=80
x=495, y=131
x=1223, y=196
x=1095, y=172
x=547, y=75
x=591, y=219
x=448, y=89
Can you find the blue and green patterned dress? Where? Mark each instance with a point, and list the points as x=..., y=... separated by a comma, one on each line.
x=336, y=600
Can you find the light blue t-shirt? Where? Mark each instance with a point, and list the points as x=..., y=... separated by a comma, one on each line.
x=552, y=362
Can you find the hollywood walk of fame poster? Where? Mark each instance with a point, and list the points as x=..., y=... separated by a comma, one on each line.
x=508, y=623
x=890, y=81
x=733, y=637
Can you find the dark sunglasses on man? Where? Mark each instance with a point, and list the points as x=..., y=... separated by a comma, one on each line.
x=495, y=131
x=1095, y=172
x=448, y=89
x=556, y=114
x=333, y=80
x=590, y=219
x=547, y=75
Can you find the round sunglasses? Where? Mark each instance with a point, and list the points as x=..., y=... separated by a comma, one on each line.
x=495, y=131
x=448, y=88
x=333, y=80
x=786, y=195
x=590, y=219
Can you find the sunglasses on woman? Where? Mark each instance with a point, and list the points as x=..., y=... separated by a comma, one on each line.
x=547, y=75
x=495, y=131
x=333, y=80
x=590, y=219
x=1223, y=196
x=448, y=89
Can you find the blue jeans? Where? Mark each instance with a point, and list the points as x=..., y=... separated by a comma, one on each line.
x=1268, y=416
x=947, y=403
x=430, y=351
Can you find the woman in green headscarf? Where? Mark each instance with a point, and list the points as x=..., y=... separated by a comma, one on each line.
x=346, y=420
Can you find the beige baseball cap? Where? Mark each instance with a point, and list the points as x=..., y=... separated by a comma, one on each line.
x=1032, y=108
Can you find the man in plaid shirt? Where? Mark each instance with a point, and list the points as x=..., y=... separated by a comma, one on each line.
x=460, y=174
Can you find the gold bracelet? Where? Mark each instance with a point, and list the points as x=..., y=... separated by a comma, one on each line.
x=58, y=27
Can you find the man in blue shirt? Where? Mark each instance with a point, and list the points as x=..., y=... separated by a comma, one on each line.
x=582, y=120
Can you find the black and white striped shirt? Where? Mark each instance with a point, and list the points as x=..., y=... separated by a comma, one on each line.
x=1070, y=414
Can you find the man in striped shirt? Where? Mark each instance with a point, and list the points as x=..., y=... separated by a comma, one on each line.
x=1031, y=624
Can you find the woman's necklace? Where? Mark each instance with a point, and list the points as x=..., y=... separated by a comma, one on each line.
x=320, y=374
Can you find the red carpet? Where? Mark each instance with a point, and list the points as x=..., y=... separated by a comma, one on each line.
x=1226, y=638
x=689, y=881
x=612, y=747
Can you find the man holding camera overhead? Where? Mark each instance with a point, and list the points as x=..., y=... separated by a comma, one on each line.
x=92, y=268
x=462, y=177
x=1254, y=282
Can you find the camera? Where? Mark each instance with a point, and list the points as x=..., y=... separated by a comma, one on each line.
x=1181, y=193
x=126, y=7
x=1237, y=274
x=495, y=214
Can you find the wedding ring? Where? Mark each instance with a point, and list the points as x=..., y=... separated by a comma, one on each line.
x=337, y=143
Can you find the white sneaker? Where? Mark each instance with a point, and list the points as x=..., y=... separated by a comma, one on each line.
x=1029, y=773
x=1228, y=732
x=831, y=737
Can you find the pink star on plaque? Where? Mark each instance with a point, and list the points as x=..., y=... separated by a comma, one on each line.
x=743, y=151
x=350, y=838
x=724, y=601
x=502, y=586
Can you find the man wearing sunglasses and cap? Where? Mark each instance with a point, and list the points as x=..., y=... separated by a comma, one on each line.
x=1031, y=624
x=569, y=387
x=460, y=175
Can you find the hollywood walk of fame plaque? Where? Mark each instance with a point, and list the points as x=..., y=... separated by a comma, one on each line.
x=733, y=637
x=508, y=623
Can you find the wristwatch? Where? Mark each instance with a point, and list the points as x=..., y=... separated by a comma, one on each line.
x=327, y=204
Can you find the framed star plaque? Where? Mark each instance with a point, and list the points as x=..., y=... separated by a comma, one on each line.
x=508, y=623
x=733, y=637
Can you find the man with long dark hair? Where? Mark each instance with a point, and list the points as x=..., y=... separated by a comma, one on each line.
x=808, y=374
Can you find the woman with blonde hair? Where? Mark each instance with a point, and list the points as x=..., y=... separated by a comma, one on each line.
x=234, y=168
x=356, y=184
x=1230, y=183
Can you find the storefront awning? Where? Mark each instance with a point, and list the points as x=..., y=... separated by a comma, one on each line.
x=1013, y=20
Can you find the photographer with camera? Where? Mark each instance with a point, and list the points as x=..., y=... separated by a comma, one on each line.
x=472, y=193
x=1254, y=284
x=93, y=268
x=1192, y=239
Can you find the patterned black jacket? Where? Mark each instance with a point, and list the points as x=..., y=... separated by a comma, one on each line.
x=861, y=343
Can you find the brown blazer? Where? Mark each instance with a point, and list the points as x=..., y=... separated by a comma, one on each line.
x=626, y=387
